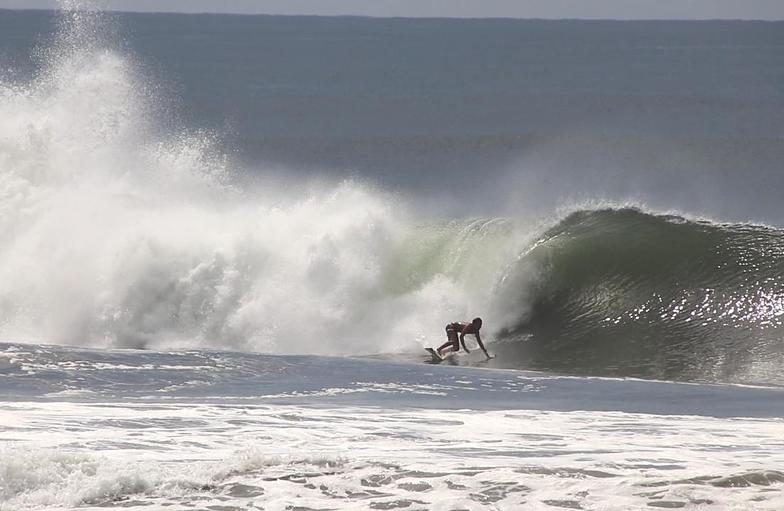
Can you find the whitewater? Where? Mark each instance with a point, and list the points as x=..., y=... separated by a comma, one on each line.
x=161, y=248
x=179, y=330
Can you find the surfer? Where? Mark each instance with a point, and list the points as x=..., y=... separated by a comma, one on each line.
x=461, y=329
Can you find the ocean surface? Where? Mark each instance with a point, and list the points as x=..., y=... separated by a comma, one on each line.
x=226, y=240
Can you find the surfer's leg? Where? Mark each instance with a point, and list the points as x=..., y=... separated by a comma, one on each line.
x=444, y=346
x=452, y=341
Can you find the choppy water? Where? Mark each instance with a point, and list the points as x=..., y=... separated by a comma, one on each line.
x=98, y=429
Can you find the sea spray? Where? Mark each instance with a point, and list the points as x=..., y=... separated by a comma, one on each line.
x=117, y=232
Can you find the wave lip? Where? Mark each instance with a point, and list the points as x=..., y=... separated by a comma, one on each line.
x=624, y=291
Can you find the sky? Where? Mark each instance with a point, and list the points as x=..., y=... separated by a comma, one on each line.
x=586, y=9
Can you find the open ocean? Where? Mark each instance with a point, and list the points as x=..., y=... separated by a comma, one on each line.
x=226, y=240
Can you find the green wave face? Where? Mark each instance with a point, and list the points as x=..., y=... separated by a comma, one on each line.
x=624, y=292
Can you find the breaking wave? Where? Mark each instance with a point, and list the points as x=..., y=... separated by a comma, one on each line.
x=622, y=291
x=118, y=231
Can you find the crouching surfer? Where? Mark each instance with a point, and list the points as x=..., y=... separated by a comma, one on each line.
x=456, y=332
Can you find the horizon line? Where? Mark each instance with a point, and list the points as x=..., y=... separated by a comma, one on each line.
x=370, y=16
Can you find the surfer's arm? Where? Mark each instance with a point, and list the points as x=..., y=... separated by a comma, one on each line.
x=479, y=341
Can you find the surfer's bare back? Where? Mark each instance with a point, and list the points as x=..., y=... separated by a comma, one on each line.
x=461, y=329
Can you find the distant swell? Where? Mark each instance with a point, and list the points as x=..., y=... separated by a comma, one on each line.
x=631, y=293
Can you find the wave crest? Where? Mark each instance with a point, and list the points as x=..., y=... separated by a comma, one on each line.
x=622, y=291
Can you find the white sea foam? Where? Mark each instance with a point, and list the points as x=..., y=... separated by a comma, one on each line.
x=360, y=458
x=117, y=232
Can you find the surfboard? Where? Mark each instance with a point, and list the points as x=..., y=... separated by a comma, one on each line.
x=437, y=359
